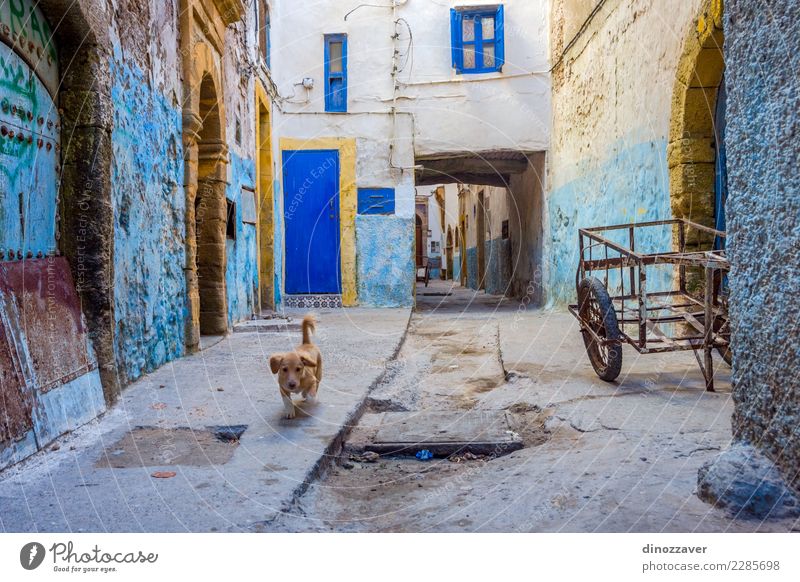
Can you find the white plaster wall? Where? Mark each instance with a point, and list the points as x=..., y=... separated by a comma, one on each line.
x=612, y=100
x=450, y=212
x=377, y=165
x=238, y=78
x=614, y=88
x=506, y=110
x=450, y=112
x=434, y=219
x=497, y=211
x=451, y=206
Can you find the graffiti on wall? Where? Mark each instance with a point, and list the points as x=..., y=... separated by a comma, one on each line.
x=29, y=160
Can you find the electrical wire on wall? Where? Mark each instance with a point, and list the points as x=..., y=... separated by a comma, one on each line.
x=408, y=57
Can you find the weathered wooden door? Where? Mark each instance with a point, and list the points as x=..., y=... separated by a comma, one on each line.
x=311, y=221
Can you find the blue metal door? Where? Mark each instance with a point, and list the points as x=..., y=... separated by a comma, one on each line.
x=311, y=221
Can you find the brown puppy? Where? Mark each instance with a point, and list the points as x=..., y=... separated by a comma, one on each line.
x=300, y=371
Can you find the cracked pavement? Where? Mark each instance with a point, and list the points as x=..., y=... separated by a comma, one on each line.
x=599, y=457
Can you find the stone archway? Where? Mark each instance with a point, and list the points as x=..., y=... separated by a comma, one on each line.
x=205, y=180
x=211, y=214
x=85, y=208
x=265, y=201
x=692, y=148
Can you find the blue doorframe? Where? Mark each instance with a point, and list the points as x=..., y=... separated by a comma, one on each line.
x=312, y=261
x=721, y=170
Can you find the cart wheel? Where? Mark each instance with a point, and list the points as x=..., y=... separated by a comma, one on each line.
x=597, y=312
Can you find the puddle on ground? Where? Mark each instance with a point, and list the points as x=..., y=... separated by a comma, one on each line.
x=149, y=446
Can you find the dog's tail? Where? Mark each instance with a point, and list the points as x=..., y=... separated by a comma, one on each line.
x=309, y=327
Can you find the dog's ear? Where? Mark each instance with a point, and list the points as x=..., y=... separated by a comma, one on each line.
x=307, y=361
x=275, y=362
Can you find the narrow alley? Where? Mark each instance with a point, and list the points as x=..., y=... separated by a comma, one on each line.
x=400, y=266
x=595, y=457
x=573, y=454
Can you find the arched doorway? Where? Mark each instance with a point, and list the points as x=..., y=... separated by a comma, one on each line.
x=265, y=205
x=696, y=151
x=211, y=214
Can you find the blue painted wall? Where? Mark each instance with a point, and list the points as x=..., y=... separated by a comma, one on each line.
x=149, y=207
x=472, y=268
x=385, y=261
x=632, y=185
x=436, y=273
x=456, y=266
x=241, y=274
x=498, y=266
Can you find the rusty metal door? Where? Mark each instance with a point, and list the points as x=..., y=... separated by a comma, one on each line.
x=32, y=293
x=16, y=401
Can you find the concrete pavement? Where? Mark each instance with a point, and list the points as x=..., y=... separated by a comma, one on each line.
x=598, y=456
x=100, y=476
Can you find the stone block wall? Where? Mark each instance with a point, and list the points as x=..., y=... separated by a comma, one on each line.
x=764, y=224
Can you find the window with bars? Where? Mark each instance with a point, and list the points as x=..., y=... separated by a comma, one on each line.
x=477, y=39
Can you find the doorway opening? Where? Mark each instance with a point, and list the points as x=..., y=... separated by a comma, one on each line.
x=211, y=215
x=265, y=205
x=492, y=230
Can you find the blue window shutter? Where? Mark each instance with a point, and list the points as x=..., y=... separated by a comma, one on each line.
x=335, y=82
x=376, y=200
x=455, y=38
x=499, y=42
x=269, y=42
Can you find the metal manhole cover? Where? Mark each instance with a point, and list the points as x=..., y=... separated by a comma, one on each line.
x=486, y=432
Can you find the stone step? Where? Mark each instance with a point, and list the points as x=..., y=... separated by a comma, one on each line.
x=268, y=326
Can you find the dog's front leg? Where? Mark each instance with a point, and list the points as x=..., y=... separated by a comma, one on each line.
x=288, y=405
x=311, y=394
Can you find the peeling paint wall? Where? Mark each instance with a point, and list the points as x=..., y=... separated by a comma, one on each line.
x=382, y=242
x=147, y=176
x=241, y=274
x=149, y=206
x=497, y=257
x=612, y=96
x=240, y=56
x=763, y=210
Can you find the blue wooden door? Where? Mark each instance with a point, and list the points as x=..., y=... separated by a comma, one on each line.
x=311, y=221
